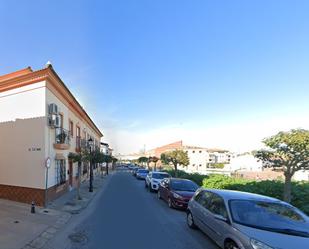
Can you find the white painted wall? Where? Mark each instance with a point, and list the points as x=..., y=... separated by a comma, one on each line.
x=23, y=103
x=22, y=153
x=22, y=121
x=23, y=126
x=245, y=163
x=50, y=136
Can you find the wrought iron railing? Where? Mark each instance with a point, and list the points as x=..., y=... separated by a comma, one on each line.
x=62, y=136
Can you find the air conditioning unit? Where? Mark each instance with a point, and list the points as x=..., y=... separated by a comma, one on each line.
x=53, y=109
x=53, y=121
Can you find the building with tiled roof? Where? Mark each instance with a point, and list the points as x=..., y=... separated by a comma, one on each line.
x=41, y=122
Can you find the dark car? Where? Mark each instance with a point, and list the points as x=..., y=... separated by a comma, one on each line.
x=177, y=192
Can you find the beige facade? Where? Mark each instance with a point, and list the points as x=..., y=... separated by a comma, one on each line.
x=28, y=139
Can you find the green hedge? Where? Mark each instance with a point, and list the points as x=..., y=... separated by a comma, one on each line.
x=300, y=190
x=195, y=177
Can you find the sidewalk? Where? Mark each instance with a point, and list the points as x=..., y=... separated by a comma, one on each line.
x=69, y=202
x=21, y=229
x=18, y=225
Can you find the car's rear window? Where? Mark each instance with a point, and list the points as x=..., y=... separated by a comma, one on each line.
x=184, y=185
x=143, y=171
x=160, y=176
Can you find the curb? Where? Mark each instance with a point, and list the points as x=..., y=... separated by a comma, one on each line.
x=40, y=241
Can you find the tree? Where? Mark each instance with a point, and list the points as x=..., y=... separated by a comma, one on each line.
x=143, y=159
x=93, y=157
x=78, y=158
x=287, y=151
x=175, y=157
x=114, y=160
x=107, y=159
x=154, y=159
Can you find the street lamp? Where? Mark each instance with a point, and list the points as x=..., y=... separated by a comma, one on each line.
x=90, y=144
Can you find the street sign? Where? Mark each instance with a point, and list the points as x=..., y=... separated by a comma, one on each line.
x=47, y=163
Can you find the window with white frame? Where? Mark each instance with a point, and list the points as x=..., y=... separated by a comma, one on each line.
x=60, y=172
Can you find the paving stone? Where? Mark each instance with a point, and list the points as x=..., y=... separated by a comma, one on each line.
x=27, y=247
x=47, y=235
x=57, y=225
x=51, y=230
x=38, y=242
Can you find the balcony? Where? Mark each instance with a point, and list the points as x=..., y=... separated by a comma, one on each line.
x=62, y=139
x=81, y=144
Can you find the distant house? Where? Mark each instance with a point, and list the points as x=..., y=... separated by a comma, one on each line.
x=106, y=150
x=201, y=159
x=245, y=162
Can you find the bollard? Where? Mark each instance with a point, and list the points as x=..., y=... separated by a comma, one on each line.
x=32, y=207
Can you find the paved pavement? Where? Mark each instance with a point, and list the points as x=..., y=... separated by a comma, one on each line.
x=21, y=229
x=127, y=216
x=18, y=226
x=66, y=206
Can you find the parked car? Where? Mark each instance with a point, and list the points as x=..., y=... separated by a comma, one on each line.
x=134, y=170
x=248, y=221
x=132, y=166
x=153, y=180
x=141, y=174
x=177, y=192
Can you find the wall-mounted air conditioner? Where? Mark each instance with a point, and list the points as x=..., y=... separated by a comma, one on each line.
x=53, y=109
x=53, y=121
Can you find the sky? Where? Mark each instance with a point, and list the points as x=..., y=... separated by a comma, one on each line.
x=149, y=72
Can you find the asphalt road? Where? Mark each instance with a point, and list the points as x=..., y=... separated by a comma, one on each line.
x=127, y=216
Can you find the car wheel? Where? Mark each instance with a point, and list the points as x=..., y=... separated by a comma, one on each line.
x=159, y=195
x=230, y=245
x=190, y=220
x=169, y=202
x=150, y=188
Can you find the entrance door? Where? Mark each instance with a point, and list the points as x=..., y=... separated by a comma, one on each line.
x=71, y=173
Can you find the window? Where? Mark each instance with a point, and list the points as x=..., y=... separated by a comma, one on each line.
x=193, y=151
x=71, y=128
x=200, y=151
x=77, y=131
x=200, y=165
x=217, y=206
x=203, y=198
x=60, y=172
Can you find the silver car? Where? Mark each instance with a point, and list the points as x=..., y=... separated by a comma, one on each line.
x=248, y=221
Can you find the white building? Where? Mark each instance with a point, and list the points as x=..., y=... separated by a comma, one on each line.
x=245, y=162
x=106, y=150
x=203, y=159
x=41, y=122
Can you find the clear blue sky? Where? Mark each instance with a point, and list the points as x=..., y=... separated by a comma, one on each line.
x=138, y=65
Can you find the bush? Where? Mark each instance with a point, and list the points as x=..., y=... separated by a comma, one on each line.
x=195, y=177
x=300, y=190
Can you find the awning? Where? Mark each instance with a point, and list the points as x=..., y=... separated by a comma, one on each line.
x=60, y=156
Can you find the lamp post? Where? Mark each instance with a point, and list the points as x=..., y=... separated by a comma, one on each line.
x=90, y=143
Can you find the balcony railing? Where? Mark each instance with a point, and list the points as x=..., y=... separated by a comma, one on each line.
x=82, y=144
x=62, y=139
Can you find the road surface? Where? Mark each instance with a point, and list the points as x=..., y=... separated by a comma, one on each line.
x=127, y=216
